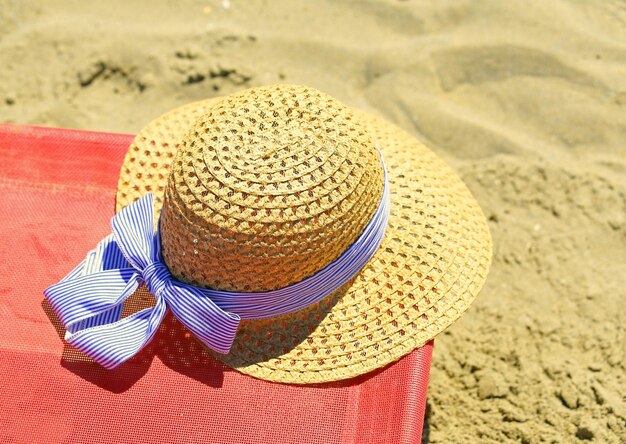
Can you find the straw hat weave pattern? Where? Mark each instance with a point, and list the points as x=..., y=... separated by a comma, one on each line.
x=263, y=188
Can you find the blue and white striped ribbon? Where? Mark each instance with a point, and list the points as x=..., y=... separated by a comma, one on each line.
x=89, y=300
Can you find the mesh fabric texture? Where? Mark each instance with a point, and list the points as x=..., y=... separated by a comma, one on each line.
x=58, y=189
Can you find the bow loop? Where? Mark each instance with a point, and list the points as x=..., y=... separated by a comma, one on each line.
x=133, y=230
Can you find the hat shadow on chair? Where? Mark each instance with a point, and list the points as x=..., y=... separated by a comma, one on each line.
x=173, y=344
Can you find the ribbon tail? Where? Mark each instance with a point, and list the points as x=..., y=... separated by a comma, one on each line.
x=112, y=344
x=215, y=327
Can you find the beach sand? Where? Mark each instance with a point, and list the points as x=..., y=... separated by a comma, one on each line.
x=525, y=99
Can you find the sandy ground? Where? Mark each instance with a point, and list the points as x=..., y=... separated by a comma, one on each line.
x=526, y=99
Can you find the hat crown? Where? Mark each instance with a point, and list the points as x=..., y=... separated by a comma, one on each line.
x=269, y=186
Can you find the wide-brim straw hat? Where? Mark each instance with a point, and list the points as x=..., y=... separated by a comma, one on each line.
x=261, y=189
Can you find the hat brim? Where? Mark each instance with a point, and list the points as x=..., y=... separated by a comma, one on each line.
x=429, y=269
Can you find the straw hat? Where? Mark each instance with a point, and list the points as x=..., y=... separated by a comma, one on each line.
x=262, y=188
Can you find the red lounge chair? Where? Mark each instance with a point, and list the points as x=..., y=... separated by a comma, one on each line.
x=58, y=189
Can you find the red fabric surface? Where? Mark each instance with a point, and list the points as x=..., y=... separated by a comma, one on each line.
x=57, y=197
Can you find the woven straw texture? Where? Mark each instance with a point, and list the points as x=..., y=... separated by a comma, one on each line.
x=263, y=188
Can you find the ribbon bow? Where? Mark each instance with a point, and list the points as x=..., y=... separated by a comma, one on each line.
x=89, y=303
